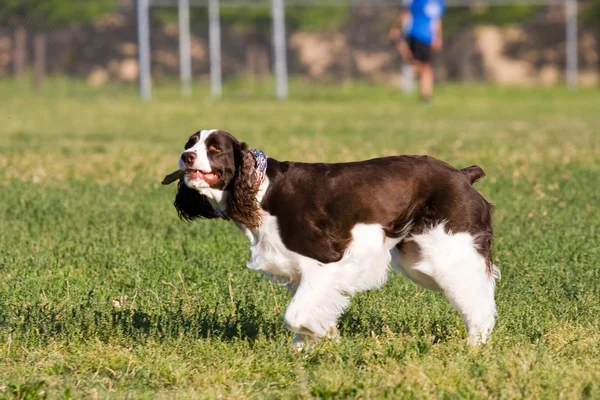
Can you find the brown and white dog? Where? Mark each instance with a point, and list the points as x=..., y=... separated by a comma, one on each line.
x=327, y=231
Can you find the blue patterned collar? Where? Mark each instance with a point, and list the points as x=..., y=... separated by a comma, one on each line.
x=261, y=165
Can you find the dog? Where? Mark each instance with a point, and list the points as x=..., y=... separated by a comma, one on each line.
x=327, y=231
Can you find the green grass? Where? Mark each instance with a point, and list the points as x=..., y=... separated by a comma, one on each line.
x=104, y=293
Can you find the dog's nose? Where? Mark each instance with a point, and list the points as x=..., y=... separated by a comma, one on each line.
x=188, y=157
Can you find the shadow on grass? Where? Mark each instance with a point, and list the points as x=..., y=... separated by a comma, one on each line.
x=43, y=322
x=244, y=321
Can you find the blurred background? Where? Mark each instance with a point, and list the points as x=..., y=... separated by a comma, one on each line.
x=80, y=44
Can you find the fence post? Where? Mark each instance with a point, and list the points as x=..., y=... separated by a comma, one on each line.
x=39, y=59
x=20, y=52
x=279, y=41
x=571, y=50
x=143, y=20
x=185, y=60
x=214, y=33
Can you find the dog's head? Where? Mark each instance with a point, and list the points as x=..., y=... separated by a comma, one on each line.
x=217, y=179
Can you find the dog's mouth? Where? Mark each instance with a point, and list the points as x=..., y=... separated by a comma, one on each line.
x=208, y=177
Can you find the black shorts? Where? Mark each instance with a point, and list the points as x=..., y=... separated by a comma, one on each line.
x=420, y=51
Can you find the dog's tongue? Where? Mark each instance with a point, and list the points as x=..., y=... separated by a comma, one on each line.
x=210, y=177
x=195, y=175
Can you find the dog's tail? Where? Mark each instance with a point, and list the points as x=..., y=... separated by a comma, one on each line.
x=473, y=173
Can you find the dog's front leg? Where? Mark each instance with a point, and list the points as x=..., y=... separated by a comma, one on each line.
x=316, y=304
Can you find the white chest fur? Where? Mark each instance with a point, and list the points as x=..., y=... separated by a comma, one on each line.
x=269, y=255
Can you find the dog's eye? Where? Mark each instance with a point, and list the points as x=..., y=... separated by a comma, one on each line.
x=191, y=141
x=214, y=148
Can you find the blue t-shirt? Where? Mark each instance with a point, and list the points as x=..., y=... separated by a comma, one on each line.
x=424, y=14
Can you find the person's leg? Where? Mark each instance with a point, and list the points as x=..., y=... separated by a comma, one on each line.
x=417, y=66
x=426, y=72
x=422, y=54
x=404, y=49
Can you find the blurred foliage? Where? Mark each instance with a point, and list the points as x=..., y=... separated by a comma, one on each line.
x=457, y=18
x=38, y=14
x=306, y=18
x=322, y=18
x=591, y=15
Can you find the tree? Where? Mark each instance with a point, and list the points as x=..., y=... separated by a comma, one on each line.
x=40, y=16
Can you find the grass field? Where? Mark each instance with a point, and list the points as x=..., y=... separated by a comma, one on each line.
x=104, y=293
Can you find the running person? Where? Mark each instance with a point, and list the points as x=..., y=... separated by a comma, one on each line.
x=417, y=33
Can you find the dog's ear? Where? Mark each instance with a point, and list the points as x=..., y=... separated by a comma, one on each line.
x=191, y=205
x=241, y=202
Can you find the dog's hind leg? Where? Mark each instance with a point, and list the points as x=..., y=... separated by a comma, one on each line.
x=451, y=261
